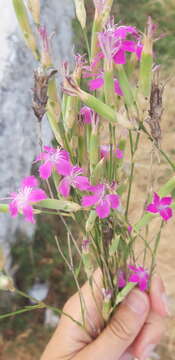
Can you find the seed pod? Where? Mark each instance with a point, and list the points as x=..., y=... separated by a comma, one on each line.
x=40, y=97
x=24, y=23
x=81, y=12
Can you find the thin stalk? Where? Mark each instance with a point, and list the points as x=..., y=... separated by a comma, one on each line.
x=87, y=43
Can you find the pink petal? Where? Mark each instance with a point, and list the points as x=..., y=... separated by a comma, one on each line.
x=45, y=170
x=86, y=112
x=13, y=209
x=129, y=45
x=117, y=88
x=132, y=267
x=104, y=151
x=103, y=209
x=152, y=208
x=119, y=154
x=166, y=200
x=121, y=279
x=114, y=200
x=166, y=213
x=49, y=149
x=37, y=195
x=82, y=183
x=65, y=155
x=122, y=31
x=156, y=199
x=30, y=181
x=64, y=187
x=134, y=278
x=139, y=50
x=95, y=84
x=120, y=57
x=29, y=214
x=143, y=284
x=64, y=167
x=89, y=200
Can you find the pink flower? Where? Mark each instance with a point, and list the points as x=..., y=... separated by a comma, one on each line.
x=129, y=229
x=140, y=276
x=121, y=279
x=105, y=152
x=98, y=83
x=52, y=159
x=27, y=194
x=103, y=202
x=72, y=177
x=87, y=113
x=114, y=44
x=161, y=206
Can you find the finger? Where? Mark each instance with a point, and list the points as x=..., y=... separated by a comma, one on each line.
x=75, y=338
x=149, y=337
x=155, y=325
x=159, y=301
x=121, y=331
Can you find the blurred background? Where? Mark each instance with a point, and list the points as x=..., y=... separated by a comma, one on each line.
x=30, y=251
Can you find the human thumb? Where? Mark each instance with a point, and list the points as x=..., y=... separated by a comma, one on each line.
x=123, y=328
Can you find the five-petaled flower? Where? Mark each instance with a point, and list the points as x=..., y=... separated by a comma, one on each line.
x=140, y=276
x=161, y=206
x=102, y=201
x=72, y=177
x=22, y=200
x=52, y=158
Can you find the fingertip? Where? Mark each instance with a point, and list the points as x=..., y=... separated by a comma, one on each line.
x=158, y=297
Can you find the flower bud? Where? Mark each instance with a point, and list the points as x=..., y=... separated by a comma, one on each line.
x=80, y=12
x=107, y=294
x=23, y=20
x=87, y=259
x=34, y=7
x=6, y=283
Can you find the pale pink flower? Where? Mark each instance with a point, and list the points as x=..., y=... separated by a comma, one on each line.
x=22, y=200
x=105, y=152
x=140, y=276
x=161, y=206
x=121, y=279
x=51, y=158
x=87, y=114
x=102, y=201
x=72, y=177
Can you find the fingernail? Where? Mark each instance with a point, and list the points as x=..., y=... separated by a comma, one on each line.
x=136, y=301
x=165, y=301
x=148, y=351
x=127, y=356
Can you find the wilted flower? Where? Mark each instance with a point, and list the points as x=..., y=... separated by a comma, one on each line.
x=52, y=158
x=102, y=201
x=87, y=113
x=72, y=177
x=140, y=276
x=161, y=206
x=28, y=194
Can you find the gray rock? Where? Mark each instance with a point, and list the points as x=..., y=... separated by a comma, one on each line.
x=18, y=141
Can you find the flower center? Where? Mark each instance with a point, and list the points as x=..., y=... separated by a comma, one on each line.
x=22, y=196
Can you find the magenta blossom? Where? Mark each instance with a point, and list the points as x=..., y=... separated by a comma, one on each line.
x=161, y=206
x=28, y=194
x=72, y=177
x=87, y=114
x=114, y=44
x=52, y=159
x=98, y=83
x=102, y=201
x=105, y=152
x=140, y=276
x=121, y=279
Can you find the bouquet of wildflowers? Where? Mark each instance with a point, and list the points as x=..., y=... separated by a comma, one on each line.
x=109, y=100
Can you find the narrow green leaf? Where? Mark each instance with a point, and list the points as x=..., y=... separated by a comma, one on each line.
x=91, y=221
x=114, y=245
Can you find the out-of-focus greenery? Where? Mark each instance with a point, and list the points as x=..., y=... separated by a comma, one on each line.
x=136, y=12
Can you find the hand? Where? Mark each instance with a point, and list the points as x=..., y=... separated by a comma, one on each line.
x=134, y=330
